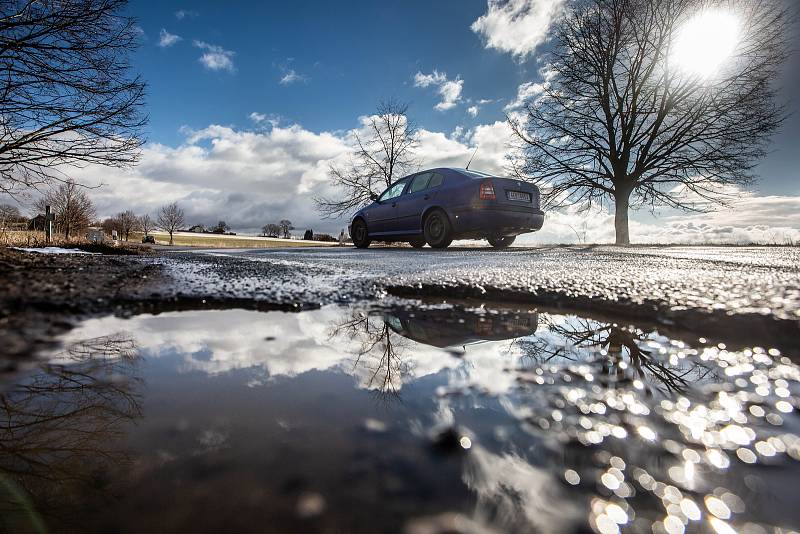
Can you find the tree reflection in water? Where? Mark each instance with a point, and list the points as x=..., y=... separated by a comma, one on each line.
x=378, y=361
x=59, y=429
x=622, y=352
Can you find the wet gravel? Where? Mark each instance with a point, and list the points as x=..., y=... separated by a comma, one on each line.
x=752, y=292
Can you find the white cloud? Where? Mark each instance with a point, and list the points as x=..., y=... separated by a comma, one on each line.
x=525, y=93
x=473, y=110
x=257, y=117
x=291, y=76
x=252, y=177
x=517, y=26
x=449, y=90
x=186, y=14
x=434, y=78
x=215, y=57
x=751, y=219
x=166, y=39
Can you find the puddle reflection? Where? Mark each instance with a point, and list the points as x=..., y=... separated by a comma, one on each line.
x=376, y=419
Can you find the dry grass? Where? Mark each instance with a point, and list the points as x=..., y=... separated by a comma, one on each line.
x=217, y=241
x=25, y=238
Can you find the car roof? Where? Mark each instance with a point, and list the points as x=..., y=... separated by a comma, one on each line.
x=458, y=170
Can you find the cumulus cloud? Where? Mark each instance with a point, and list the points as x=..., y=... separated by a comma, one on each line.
x=449, y=90
x=751, y=219
x=215, y=57
x=517, y=26
x=473, y=110
x=252, y=177
x=166, y=39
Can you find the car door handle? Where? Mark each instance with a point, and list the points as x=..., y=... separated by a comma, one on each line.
x=394, y=204
x=426, y=197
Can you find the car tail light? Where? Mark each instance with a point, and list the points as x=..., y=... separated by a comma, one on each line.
x=487, y=190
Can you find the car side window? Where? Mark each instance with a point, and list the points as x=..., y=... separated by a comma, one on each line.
x=393, y=192
x=435, y=181
x=420, y=182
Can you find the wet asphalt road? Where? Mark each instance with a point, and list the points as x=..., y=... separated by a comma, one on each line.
x=745, y=290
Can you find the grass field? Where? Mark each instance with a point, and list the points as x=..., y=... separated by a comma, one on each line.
x=186, y=239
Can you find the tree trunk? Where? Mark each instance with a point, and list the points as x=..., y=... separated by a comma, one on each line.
x=621, y=204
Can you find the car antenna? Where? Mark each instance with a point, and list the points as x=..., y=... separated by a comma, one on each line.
x=470, y=159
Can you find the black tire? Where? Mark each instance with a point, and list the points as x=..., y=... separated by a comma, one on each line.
x=358, y=231
x=437, y=229
x=501, y=241
x=417, y=243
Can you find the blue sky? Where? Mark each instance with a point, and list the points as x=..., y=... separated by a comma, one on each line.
x=347, y=58
x=250, y=102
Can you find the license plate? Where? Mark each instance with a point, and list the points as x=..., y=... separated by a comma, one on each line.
x=518, y=195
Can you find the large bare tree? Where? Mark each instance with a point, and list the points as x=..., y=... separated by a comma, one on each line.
x=170, y=219
x=71, y=206
x=67, y=94
x=621, y=120
x=384, y=152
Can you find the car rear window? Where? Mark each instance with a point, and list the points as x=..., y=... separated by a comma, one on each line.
x=475, y=174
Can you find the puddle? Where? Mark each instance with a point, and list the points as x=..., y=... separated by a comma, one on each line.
x=416, y=419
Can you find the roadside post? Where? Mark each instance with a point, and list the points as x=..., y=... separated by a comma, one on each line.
x=48, y=225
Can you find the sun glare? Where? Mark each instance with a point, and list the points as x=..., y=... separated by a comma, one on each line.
x=705, y=41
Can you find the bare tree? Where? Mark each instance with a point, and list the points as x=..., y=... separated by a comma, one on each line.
x=146, y=224
x=285, y=227
x=379, y=363
x=271, y=230
x=128, y=222
x=71, y=206
x=170, y=219
x=621, y=120
x=67, y=95
x=383, y=153
x=110, y=225
x=9, y=214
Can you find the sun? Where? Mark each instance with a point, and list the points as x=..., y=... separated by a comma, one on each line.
x=705, y=42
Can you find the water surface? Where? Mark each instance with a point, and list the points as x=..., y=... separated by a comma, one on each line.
x=392, y=418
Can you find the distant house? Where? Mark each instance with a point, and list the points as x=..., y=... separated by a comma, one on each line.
x=197, y=229
x=37, y=223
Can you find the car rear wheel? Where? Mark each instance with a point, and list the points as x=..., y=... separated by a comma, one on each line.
x=437, y=229
x=501, y=241
x=359, y=233
x=417, y=243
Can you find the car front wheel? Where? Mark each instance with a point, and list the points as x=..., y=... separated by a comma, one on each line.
x=501, y=241
x=359, y=234
x=417, y=243
x=437, y=229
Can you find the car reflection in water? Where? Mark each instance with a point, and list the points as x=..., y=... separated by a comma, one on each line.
x=383, y=338
x=441, y=327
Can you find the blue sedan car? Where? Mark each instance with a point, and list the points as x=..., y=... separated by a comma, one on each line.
x=437, y=206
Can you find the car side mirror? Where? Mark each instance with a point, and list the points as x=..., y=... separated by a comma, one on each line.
x=373, y=196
